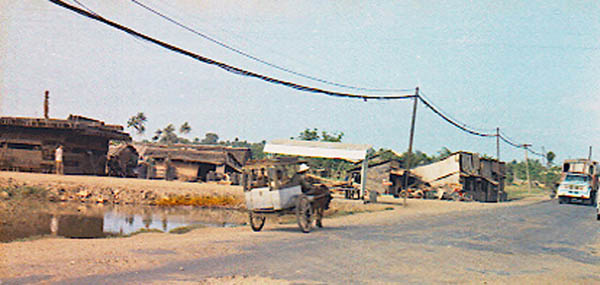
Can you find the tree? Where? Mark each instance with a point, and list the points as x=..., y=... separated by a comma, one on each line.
x=443, y=153
x=210, y=138
x=335, y=137
x=138, y=122
x=185, y=128
x=309, y=135
x=313, y=135
x=550, y=156
x=166, y=135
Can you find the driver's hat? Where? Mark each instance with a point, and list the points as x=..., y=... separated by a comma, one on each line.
x=303, y=168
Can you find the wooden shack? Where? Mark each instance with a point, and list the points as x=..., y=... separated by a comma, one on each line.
x=190, y=162
x=29, y=144
x=479, y=179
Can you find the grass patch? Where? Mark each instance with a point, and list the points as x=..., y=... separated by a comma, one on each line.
x=201, y=201
x=24, y=192
x=140, y=231
x=517, y=192
x=185, y=229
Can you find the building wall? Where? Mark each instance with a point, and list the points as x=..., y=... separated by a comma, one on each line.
x=32, y=149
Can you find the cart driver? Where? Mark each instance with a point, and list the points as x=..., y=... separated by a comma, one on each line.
x=300, y=179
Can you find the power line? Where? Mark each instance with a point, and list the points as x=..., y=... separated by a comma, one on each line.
x=90, y=14
x=421, y=94
x=454, y=123
x=224, y=66
x=247, y=55
x=472, y=131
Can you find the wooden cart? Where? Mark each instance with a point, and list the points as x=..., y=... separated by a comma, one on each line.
x=271, y=187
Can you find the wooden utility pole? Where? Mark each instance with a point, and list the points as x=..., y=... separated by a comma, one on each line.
x=525, y=146
x=498, y=144
x=47, y=104
x=410, y=144
x=498, y=158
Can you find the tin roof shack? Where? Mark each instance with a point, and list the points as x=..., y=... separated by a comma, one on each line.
x=28, y=144
x=188, y=163
x=122, y=160
x=471, y=177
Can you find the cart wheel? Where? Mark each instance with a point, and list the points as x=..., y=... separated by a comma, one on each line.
x=403, y=194
x=257, y=221
x=304, y=213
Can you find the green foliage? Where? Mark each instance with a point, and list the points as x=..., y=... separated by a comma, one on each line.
x=309, y=135
x=185, y=128
x=313, y=135
x=138, y=122
x=549, y=176
x=550, y=156
x=210, y=138
x=168, y=135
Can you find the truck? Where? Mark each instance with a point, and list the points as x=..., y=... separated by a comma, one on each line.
x=579, y=182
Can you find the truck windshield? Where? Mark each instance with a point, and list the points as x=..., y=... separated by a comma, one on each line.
x=576, y=178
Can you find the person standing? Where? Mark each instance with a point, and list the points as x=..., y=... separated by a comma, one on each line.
x=58, y=157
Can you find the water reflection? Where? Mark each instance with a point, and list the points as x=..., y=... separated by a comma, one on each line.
x=90, y=221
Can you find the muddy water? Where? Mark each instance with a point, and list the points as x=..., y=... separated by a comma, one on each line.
x=72, y=220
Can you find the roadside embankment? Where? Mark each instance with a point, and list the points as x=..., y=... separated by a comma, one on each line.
x=111, y=190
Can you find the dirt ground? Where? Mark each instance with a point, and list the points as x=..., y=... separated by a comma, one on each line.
x=112, y=189
x=56, y=258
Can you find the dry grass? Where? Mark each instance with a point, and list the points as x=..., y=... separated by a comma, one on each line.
x=201, y=201
x=517, y=192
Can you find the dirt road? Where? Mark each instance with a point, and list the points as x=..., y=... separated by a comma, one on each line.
x=466, y=243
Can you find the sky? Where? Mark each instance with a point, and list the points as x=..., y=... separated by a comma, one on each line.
x=528, y=67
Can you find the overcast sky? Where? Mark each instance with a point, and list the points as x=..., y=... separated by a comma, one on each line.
x=529, y=67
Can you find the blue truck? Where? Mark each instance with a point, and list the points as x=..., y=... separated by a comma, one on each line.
x=579, y=181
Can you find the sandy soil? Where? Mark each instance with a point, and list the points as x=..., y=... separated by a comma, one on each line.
x=59, y=258
x=159, y=186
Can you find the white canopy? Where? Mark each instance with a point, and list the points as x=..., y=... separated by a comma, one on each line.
x=346, y=151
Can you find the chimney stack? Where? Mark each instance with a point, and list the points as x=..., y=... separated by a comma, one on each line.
x=46, y=104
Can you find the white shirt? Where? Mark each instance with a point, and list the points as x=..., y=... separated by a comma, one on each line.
x=58, y=155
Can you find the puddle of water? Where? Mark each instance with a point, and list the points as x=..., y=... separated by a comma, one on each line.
x=90, y=221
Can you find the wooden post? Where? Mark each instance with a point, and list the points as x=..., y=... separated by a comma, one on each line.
x=363, y=177
x=527, y=168
x=47, y=104
x=410, y=144
x=498, y=158
x=498, y=144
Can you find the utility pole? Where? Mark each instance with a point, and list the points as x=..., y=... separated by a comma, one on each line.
x=498, y=158
x=410, y=144
x=525, y=146
x=590, y=154
x=498, y=144
x=47, y=104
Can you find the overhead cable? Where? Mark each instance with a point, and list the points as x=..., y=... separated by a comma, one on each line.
x=225, y=66
x=247, y=55
x=471, y=131
x=452, y=122
x=421, y=94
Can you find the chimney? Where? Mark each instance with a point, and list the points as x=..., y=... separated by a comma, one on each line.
x=46, y=104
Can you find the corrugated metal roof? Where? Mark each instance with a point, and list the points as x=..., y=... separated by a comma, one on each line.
x=351, y=152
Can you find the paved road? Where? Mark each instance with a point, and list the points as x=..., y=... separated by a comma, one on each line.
x=544, y=240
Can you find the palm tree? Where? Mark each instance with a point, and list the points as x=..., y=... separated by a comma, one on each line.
x=138, y=122
x=185, y=128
